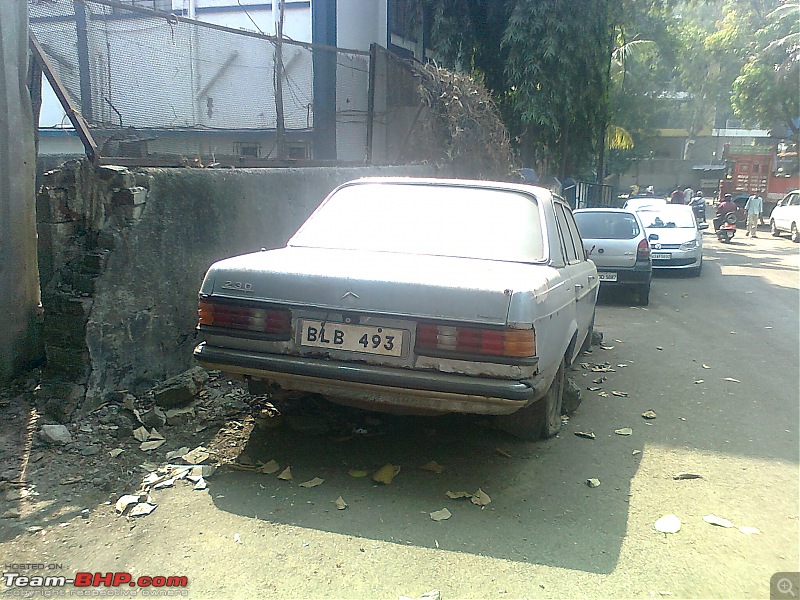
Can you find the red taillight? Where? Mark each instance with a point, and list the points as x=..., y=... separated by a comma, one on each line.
x=247, y=318
x=643, y=250
x=517, y=343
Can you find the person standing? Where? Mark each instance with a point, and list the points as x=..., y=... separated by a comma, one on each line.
x=688, y=194
x=753, y=208
x=676, y=197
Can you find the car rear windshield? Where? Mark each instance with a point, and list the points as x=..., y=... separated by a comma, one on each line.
x=607, y=225
x=429, y=219
x=665, y=218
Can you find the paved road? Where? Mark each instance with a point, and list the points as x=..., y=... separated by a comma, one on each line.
x=545, y=533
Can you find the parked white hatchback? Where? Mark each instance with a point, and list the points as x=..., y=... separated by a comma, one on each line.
x=785, y=217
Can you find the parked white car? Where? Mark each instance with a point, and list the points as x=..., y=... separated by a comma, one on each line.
x=676, y=239
x=785, y=217
x=423, y=296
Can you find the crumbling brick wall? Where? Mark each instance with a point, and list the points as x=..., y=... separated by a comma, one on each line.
x=123, y=252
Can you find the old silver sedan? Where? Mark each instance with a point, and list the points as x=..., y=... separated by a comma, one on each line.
x=423, y=296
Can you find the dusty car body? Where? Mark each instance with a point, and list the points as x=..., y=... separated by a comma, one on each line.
x=413, y=295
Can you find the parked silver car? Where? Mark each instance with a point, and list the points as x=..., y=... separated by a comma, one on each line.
x=615, y=240
x=676, y=239
x=421, y=296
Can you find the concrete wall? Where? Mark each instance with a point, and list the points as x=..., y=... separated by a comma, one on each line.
x=125, y=254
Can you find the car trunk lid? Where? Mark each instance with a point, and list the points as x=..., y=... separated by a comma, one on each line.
x=434, y=287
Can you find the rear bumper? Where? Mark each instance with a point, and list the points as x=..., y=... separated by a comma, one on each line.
x=637, y=275
x=377, y=387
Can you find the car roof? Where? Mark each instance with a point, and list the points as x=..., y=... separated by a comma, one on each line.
x=598, y=209
x=525, y=188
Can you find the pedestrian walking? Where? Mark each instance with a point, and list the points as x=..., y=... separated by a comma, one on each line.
x=688, y=194
x=676, y=197
x=754, y=207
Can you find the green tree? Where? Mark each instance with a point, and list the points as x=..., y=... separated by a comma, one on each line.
x=766, y=91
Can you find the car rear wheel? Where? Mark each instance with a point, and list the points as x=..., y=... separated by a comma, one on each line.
x=643, y=294
x=772, y=229
x=542, y=419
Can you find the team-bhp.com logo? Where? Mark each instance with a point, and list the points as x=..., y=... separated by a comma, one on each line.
x=94, y=580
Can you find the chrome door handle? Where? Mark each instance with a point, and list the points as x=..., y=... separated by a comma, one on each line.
x=592, y=277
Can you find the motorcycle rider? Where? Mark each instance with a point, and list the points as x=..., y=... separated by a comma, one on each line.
x=698, y=204
x=727, y=206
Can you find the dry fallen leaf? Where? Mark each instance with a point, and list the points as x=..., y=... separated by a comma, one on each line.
x=154, y=435
x=603, y=394
x=750, y=530
x=718, y=521
x=312, y=482
x=115, y=452
x=706, y=366
x=624, y=431
x=200, y=484
x=339, y=503
x=585, y=434
x=731, y=379
x=358, y=473
x=668, y=524
x=636, y=452
x=685, y=475
x=502, y=452
x=594, y=388
x=620, y=394
x=141, y=434
x=286, y=474
x=441, y=515
x=480, y=498
x=593, y=482
x=433, y=466
x=649, y=414
x=457, y=495
x=268, y=468
x=698, y=381
x=386, y=473
x=196, y=456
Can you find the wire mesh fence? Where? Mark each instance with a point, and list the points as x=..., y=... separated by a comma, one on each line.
x=163, y=87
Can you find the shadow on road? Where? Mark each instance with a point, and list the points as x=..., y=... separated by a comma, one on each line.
x=542, y=510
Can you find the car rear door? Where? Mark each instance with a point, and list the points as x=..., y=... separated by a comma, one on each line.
x=582, y=273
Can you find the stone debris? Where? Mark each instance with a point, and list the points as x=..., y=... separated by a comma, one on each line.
x=312, y=482
x=435, y=467
x=593, y=482
x=55, y=434
x=179, y=453
x=339, y=503
x=180, y=389
x=649, y=414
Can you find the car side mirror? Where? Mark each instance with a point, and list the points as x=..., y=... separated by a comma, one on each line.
x=702, y=226
x=652, y=237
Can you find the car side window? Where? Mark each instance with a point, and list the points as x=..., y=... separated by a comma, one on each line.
x=794, y=200
x=563, y=234
x=569, y=245
x=577, y=242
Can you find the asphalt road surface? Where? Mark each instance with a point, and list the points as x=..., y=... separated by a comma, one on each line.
x=715, y=357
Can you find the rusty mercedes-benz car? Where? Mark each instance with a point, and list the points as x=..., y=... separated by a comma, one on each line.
x=422, y=296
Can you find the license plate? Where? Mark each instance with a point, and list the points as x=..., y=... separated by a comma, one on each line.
x=607, y=276
x=661, y=255
x=352, y=338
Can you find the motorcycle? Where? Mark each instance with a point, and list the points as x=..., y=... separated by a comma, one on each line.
x=725, y=226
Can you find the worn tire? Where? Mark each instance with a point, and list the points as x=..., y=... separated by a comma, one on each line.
x=772, y=229
x=542, y=419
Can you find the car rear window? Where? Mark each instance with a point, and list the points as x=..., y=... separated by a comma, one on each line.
x=430, y=219
x=668, y=217
x=597, y=225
